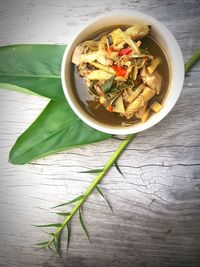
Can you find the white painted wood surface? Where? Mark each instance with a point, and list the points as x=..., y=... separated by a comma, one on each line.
x=156, y=207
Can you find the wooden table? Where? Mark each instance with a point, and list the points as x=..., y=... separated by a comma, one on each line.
x=156, y=207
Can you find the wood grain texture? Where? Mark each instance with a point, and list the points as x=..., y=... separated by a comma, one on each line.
x=156, y=207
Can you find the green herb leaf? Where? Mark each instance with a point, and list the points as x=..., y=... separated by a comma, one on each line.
x=83, y=225
x=56, y=129
x=57, y=243
x=68, y=233
x=69, y=202
x=64, y=214
x=92, y=171
x=102, y=194
x=32, y=69
x=42, y=244
x=49, y=225
x=118, y=168
x=108, y=84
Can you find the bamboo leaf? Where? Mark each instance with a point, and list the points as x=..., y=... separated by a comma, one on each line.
x=92, y=171
x=69, y=202
x=102, y=194
x=83, y=225
x=32, y=69
x=118, y=168
x=56, y=129
x=117, y=138
x=68, y=233
x=57, y=243
x=49, y=225
x=42, y=244
x=64, y=214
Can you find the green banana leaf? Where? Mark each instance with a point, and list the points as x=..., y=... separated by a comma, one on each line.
x=35, y=69
x=56, y=129
x=32, y=69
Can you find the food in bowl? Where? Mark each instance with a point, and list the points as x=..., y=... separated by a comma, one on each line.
x=121, y=75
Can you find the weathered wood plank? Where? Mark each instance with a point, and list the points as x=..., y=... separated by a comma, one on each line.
x=156, y=207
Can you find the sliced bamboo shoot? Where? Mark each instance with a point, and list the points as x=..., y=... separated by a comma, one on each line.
x=156, y=107
x=128, y=40
x=138, y=43
x=146, y=116
x=153, y=65
x=135, y=105
x=99, y=75
x=135, y=93
x=119, y=46
x=135, y=73
x=129, y=115
x=141, y=112
x=147, y=94
x=116, y=37
x=102, y=67
x=119, y=105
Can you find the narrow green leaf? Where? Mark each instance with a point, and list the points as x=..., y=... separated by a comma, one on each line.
x=92, y=171
x=56, y=129
x=64, y=214
x=69, y=202
x=57, y=243
x=83, y=225
x=108, y=84
x=49, y=225
x=32, y=69
x=42, y=244
x=118, y=168
x=102, y=194
x=117, y=138
x=68, y=233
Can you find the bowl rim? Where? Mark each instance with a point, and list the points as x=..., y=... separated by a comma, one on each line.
x=178, y=64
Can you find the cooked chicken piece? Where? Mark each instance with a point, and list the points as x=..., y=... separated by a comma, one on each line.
x=76, y=57
x=138, y=31
x=83, y=48
x=88, y=57
x=153, y=80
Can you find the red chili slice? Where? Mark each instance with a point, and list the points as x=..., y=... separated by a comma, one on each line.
x=119, y=71
x=125, y=51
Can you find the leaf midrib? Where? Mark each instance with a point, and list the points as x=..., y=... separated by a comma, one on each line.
x=31, y=76
x=56, y=132
x=44, y=154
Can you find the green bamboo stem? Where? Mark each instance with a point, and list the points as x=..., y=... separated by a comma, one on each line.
x=193, y=60
x=96, y=181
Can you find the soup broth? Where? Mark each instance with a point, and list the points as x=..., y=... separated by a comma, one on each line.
x=89, y=102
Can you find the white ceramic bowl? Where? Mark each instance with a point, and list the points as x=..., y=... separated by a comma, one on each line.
x=161, y=34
